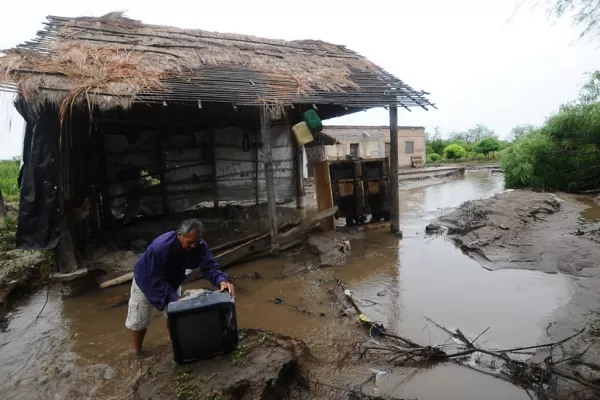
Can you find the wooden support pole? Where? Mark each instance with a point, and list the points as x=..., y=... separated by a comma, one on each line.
x=265, y=130
x=107, y=217
x=257, y=172
x=161, y=169
x=324, y=192
x=395, y=195
x=300, y=202
x=213, y=147
x=65, y=252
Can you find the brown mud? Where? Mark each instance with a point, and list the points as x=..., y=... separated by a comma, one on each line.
x=265, y=366
x=78, y=348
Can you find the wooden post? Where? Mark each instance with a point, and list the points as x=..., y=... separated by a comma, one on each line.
x=161, y=168
x=257, y=172
x=213, y=146
x=324, y=193
x=65, y=252
x=395, y=195
x=101, y=177
x=300, y=202
x=265, y=131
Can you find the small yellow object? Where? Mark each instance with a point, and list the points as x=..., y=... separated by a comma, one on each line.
x=363, y=318
x=303, y=133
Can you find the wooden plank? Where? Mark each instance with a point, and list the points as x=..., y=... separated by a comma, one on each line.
x=265, y=128
x=395, y=195
x=324, y=194
x=232, y=252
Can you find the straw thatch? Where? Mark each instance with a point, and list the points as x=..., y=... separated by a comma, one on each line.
x=113, y=61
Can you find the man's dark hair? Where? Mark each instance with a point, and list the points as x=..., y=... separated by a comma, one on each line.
x=191, y=224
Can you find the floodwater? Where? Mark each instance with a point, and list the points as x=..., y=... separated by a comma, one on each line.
x=79, y=349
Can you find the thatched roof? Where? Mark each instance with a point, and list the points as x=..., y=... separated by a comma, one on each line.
x=113, y=61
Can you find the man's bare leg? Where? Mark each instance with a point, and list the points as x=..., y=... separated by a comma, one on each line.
x=138, y=339
x=169, y=330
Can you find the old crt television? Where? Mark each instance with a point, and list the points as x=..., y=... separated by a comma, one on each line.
x=203, y=326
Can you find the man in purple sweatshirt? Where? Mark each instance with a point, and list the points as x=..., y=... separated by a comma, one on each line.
x=160, y=271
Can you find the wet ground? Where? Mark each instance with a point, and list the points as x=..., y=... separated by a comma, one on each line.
x=78, y=349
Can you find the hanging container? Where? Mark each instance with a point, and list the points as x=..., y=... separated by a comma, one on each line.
x=303, y=134
x=313, y=121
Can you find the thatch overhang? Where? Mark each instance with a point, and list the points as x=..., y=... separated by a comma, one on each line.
x=112, y=62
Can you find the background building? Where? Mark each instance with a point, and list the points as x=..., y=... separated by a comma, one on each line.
x=374, y=142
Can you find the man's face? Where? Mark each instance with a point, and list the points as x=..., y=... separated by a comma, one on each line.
x=189, y=241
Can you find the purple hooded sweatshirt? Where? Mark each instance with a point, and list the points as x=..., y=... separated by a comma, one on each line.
x=161, y=269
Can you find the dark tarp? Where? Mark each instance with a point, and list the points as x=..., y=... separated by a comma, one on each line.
x=39, y=207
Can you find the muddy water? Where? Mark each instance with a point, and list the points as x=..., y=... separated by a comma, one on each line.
x=592, y=213
x=78, y=349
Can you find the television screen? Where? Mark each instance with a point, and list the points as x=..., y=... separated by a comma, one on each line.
x=199, y=334
x=202, y=327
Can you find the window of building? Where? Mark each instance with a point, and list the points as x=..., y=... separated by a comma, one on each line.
x=354, y=149
x=409, y=147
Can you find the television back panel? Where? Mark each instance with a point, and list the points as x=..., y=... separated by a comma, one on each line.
x=203, y=326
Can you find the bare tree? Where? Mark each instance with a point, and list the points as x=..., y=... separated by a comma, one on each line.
x=585, y=14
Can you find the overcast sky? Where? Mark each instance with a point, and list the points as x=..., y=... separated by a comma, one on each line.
x=478, y=67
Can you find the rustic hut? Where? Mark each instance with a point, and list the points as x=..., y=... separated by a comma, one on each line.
x=123, y=116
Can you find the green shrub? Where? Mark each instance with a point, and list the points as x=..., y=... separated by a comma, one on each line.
x=9, y=173
x=487, y=145
x=473, y=156
x=434, y=157
x=455, y=152
x=528, y=163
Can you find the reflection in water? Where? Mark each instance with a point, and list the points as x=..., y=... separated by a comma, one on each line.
x=401, y=282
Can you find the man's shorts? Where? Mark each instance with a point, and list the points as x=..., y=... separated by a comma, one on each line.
x=139, y=313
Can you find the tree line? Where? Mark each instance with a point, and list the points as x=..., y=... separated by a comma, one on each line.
x=476, y=144
x=563, y=153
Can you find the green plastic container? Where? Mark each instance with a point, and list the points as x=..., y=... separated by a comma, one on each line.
x=312, y=120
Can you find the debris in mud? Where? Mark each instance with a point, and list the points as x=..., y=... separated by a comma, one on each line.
x=332, y=248
x=543, y=375
x=252, y=275
x=19, y=269
x=433, y=228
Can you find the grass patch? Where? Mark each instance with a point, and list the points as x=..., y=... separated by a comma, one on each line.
x=262, y=338
x=238, y=357
x=8, y=231
x=214, y=396
x=9, y=175
x=185, y=388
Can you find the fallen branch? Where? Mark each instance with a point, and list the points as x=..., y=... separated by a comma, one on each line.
x=536, y=378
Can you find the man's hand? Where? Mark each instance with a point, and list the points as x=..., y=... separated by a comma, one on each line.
x=227, y=286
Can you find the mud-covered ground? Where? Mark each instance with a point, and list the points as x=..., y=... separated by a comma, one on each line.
x=74, y=348
x=265, y=366
x=520, y=229
x=528, y=230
